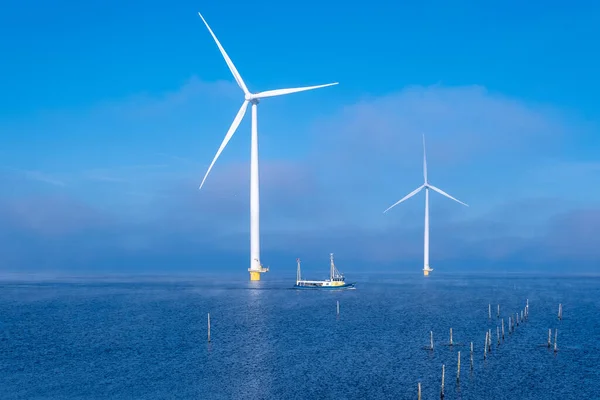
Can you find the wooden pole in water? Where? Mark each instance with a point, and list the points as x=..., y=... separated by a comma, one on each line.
x=451, y=343
x=458, y=368
x=485, y=347
x=471, y=355
x=443, y=374
x=560, y=311
x=502, y=328
x=555, y=337
x=419, y=390
x=338, y=307
x=431, y=340
x=489, y=311
x=498, y=334
x=209, y=327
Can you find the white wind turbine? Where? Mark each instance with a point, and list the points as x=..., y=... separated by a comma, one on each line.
x=250, y=98
x=426, y=186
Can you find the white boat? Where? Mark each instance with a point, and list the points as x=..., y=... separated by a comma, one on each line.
x=336, y=279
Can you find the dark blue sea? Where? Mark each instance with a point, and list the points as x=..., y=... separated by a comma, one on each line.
x=146, y=338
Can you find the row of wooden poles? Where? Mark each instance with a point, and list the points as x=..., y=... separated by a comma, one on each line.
x=488, y=335
x=512, y=324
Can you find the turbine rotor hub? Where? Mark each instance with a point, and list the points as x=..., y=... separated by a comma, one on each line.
x=250, y=97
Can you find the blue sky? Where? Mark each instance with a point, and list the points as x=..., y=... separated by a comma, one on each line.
x=111, y=112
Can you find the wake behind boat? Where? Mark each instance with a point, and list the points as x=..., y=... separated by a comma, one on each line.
x=336, y=279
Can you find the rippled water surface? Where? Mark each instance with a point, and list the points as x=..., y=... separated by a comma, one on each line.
x=147, y=339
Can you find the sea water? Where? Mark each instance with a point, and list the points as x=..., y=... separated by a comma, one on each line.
x=146, y=338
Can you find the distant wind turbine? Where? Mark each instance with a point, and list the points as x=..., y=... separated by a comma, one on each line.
x=426, y=186
x=250, y=98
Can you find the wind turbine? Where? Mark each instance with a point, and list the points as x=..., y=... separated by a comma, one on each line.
x=426, y=185
x=250, y=98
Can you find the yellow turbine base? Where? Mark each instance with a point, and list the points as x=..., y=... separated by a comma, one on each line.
x=254, y=276
x=425, y=272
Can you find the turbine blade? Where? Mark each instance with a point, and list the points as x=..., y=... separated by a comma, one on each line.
x=279, y=92
x=408, y=196
x=230, y=132
x=440, y=191
x=424, y=161
x=232, y=68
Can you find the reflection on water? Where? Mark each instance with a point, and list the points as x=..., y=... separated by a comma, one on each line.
x=257, y=352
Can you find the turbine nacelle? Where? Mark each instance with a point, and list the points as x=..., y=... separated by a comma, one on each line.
x=252, y=98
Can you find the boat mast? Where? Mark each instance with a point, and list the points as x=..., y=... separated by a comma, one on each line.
x=298, y=278
x=332, y=269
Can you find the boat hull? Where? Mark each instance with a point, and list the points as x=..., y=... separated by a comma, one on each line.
x=310, y=287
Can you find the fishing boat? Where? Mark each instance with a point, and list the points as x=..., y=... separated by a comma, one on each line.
x=336, y=279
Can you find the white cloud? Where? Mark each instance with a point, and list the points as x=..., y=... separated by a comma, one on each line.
x=459, y=123
x=359, y=160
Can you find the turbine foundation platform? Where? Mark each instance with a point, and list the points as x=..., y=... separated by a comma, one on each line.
x=426, y=271
x=255, y=273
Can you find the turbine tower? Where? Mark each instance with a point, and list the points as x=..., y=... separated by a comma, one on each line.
x=250, y=98
x=426, y=185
